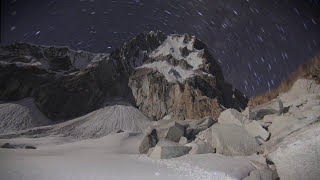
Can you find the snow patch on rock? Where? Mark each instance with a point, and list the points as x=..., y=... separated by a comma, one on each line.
x=170, y=72
x=172, y=47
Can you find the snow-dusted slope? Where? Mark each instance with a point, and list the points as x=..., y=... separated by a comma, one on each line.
x=20, y=115
x=98, y=123
x=104, y=121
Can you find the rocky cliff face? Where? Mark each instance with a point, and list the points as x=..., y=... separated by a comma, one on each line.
x=162, y=75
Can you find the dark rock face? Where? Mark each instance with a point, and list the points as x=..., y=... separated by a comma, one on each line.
x=66, y=83
x=67, y=95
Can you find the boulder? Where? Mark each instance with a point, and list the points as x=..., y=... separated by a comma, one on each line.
x=183, y=140
x=264, y=174
x=149, y=140
x=232, y=116
x=257, y=131
x=172, y=131
x=272, y=107
x=284, y=125
x=248, y=113
x=200, y=147
x=297, y=156
x=196, y=126
x=169, y=130
x=167, y=149
x=233, y=140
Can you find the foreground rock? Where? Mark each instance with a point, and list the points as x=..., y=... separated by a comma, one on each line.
x=257, y=131
x=195, y=127
x=233, y=140
x=232, y=116
x=149, y=140
x=264, y=174
x=200, y=147
x=167, y=149
x=297, y=156
x=172, y=131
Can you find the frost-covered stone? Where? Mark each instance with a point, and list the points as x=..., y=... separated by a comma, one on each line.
x=248, y=113
x=149, y=140
x=264, y=174
x=167, y=149
x=183, y=140
x=297, y=157
x=233, y=140
x=196, y=126
x=257, y=131
x=200, y=147
x=172, y=131
x=232, y=116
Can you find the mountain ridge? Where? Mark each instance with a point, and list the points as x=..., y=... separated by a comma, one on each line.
x=64, y=88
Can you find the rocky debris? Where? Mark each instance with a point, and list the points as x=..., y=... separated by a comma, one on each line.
x=183, y=140
x=200, y=147
x=257, y=131
x=172, y=131
x=233, y=140
x=248, y=113
x=169, y=130
x=259, y=162
x=117, y=131
x=296, y=157
x=263, y=174
x=7, y=146
x=272, y=107
x=30, y=147
x=284, y=125
x=232, y=116
x=196, y=126
x=167, y=149
x=149, y=140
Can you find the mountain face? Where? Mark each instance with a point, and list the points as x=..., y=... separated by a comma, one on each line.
x=170, y=76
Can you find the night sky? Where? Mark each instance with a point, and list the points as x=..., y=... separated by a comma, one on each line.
x=257, y=42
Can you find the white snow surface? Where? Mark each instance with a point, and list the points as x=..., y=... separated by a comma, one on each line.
x=111, y=157
x=20, y=115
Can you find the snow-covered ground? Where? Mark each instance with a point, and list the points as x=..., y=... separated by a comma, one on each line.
x=110, y=157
